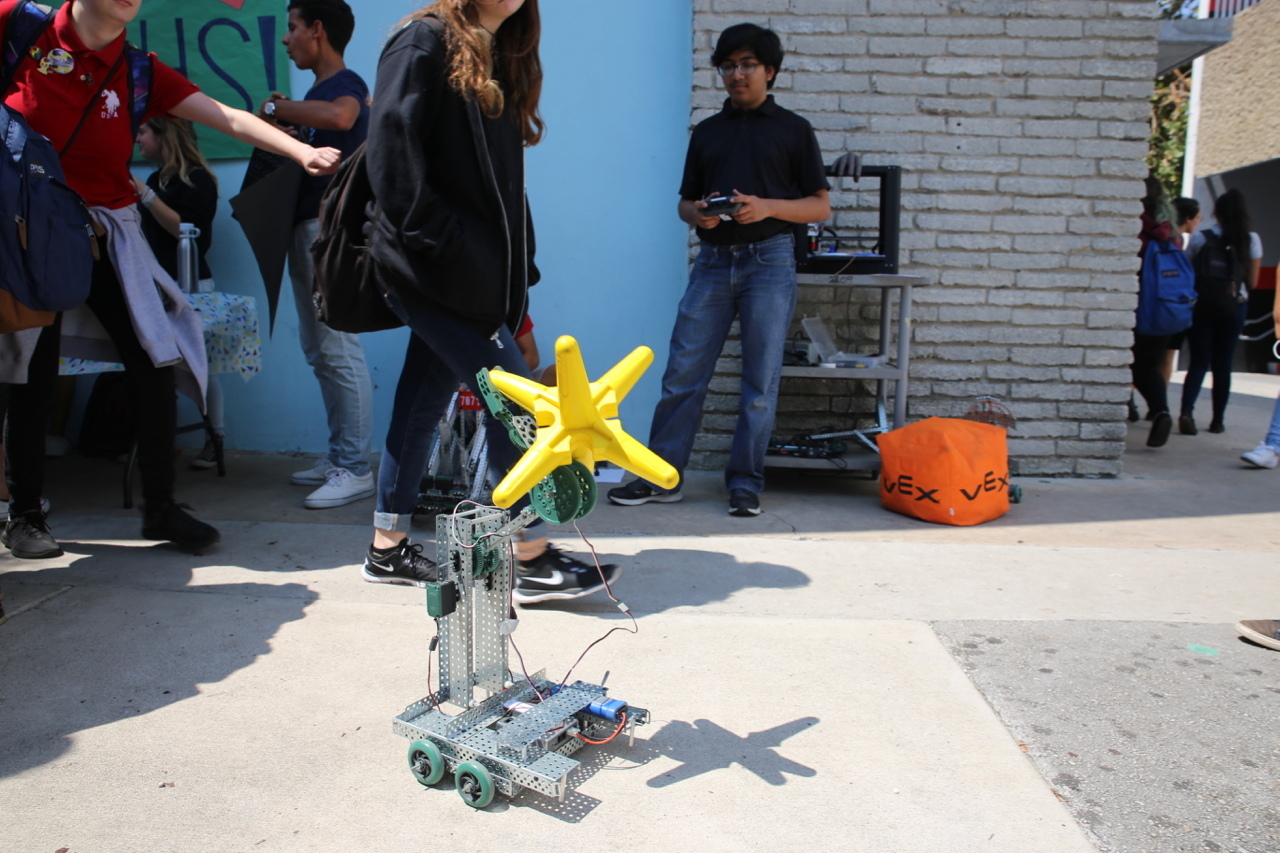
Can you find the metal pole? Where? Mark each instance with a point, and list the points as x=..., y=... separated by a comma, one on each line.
x=1193, y=118
x=904, y=356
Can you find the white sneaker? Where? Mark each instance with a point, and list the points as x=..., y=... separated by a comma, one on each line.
x=1264, y=456
x=316, y=475
x=4, y=508
x=341, y=488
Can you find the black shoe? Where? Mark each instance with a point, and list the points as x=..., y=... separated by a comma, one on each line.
x=1217, y=427
x=402, y=564
x=743, y=503
x=1187, y=425
x=28, y=537
x=639, y=492
x=171, y=523
x=1161, y=426
x=555, y=575
x=1134, y=417
x=2, y=616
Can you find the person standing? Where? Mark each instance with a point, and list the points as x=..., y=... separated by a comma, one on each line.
x=1227, y=258
x=182, y=190
x=84, y=83
x=767, y=159
x=335, y=113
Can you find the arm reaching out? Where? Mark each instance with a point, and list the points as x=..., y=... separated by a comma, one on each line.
x=254, y=131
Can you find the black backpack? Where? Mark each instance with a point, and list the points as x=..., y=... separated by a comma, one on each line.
x=346, y=293
x=1219, y=278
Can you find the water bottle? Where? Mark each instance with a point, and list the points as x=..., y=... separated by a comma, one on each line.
x=188, y=257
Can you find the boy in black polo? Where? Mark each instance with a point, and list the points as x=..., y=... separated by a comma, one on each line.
x=767, y=159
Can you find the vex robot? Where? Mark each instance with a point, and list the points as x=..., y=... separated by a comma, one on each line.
x=514, y=730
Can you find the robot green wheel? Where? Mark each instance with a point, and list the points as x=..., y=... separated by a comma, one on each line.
x=1015, y=494
x=474, y=783
x=425, y=762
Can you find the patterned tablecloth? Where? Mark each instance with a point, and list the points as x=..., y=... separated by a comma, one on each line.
x=230, y=337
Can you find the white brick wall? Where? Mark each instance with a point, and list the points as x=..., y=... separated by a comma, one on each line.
x=1020, y=126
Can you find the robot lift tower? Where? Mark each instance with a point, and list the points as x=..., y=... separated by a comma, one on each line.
x=518, y=732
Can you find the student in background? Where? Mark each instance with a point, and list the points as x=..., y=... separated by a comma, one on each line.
x=334, y=113
x=1216, y=330
x=1188, y=222
x=767, y=159
x=182, y=190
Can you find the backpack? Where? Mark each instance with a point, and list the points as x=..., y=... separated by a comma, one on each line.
x=1219, y=278
x=345, y=290
x=1166, y=291
x=47, y=236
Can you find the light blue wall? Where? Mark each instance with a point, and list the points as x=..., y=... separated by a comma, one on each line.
x=603, y=190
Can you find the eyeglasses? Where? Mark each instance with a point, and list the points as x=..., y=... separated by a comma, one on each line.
x=726, y=69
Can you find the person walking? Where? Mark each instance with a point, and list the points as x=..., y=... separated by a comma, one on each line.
x=1267, y=453
x=79, y=99
x=1227, y=258
x=334, y=113
x=456, y=103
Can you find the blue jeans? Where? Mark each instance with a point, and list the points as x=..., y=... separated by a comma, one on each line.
x=1213, y=346
x=442, y=354
x=755, y=282
x=1273, y=434
x=337, y=358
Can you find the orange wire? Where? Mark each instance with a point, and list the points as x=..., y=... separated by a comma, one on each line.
x=621, y=726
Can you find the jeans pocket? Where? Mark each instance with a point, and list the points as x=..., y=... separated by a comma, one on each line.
x=776, y=256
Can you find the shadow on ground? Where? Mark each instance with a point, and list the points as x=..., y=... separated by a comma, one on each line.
x=123, y=633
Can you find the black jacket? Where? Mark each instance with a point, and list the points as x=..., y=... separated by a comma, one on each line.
x=452, y=228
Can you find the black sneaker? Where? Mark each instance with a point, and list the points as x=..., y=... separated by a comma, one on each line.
x=402, y=564
x=171, y=523
x=1187, y=425
x=639, y=492
x=28, y=537
x=555, y=576
x=1161, y=426
x=743, y=503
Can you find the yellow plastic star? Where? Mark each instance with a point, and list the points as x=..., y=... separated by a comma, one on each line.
x=578, y=421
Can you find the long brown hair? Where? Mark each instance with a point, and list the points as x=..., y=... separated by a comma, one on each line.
x=472, y=64
x=179, y=150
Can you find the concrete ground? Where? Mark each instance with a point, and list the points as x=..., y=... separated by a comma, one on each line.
x=1063, y=679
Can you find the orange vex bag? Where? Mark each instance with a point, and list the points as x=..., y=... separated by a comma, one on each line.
x=945, y=470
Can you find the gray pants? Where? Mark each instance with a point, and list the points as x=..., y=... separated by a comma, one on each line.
x=338, y=361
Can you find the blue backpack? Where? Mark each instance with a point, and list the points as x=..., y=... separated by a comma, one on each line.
x=47, y=240
x=1166, y=290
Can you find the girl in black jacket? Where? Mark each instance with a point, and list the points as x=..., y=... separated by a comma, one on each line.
x=456, y=103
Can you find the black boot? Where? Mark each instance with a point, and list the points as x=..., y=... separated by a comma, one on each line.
x=171, y=523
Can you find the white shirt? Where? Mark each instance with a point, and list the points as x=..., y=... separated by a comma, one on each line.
x=1197, y=243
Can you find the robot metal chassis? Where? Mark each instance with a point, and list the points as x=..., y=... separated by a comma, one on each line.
x=489, y=746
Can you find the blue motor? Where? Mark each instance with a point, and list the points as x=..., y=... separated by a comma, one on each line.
x=608, y=709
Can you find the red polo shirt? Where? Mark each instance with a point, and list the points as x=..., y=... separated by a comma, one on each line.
x=53, y=101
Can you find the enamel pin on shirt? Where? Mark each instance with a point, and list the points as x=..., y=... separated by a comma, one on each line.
x=58, y=61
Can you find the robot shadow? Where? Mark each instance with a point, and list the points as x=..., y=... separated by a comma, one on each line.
x=700, y=747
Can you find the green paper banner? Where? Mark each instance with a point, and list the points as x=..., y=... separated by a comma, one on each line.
x=229, y=48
